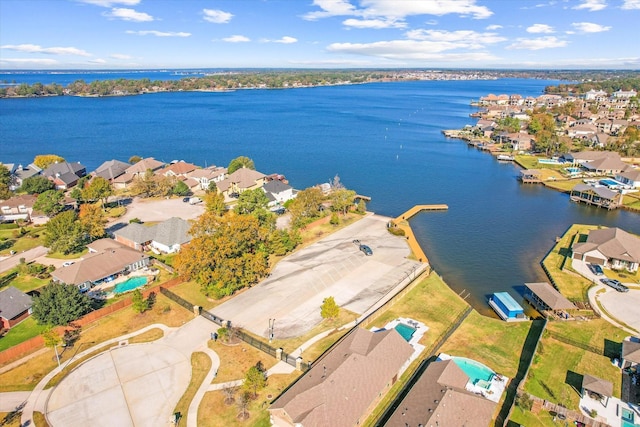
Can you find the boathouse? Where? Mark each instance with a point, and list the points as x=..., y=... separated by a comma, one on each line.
x=506, y=307
x=598, y=196
x=530, y=176
x=547, y=300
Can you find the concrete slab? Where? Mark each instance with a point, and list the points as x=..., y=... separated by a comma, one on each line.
x=334, y=266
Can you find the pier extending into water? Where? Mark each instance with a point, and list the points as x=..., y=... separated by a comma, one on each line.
x=402, y=222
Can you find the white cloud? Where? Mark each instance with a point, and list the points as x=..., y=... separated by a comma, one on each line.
x=398, y=10
x=217, y=16
x=631, y=4
x=493, y=27
x=128, y=15
x=109, y=3
x=286, y=40
x=591, y=5
x=462, y=38
x=120, y=56
x=97, y=61
x=537, y=44
x=589, y=27
x=410, y=50
x=540, y=28
x=374, y=23
x=159, y=33
x=34, y=48
x=236, y=39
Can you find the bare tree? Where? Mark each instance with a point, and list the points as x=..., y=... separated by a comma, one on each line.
x=229, y=394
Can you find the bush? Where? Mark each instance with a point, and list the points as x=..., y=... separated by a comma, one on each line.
x=135, y=220
x=8, y=226
x=396, y=231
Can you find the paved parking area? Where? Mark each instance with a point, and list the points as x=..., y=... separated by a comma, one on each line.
x=160, y=210
x=334, y=266
x=625, y=306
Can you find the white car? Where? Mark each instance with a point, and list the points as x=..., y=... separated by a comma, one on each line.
x=67, y=263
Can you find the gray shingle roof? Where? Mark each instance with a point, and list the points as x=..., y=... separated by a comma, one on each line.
x=13, y=302
x=170, y=232
x=111, y=169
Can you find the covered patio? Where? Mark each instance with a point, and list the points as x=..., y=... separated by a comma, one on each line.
x=548, y=301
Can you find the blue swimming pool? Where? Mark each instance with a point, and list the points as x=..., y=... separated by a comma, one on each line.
x=609, y=182
x=478, y=373
x=130, y=284
x=628, y=418
x=572, y=170
x=549, y=162
x=405, y=330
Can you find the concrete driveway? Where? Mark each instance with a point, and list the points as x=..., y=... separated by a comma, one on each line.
x=132, y=385
x=159, y=210
x=334, y=266
x=624, y=306
x=11, y=261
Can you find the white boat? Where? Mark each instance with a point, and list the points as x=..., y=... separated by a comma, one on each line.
x=505, y=157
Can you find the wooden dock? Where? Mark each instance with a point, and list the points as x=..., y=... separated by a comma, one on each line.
x=402, y=223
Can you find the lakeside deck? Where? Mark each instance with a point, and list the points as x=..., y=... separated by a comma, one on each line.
x=401, y=222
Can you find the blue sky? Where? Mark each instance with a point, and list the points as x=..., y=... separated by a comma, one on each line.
x=120, y=34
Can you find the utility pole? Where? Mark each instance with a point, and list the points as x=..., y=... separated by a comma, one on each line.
x=271, y=324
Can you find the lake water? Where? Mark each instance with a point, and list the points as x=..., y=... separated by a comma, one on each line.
x=384, y=140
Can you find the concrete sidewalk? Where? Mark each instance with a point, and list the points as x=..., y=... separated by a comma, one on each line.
x=12, y=261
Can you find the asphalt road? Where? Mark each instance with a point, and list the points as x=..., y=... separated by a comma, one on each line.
x=334, y=266
x=11, y=261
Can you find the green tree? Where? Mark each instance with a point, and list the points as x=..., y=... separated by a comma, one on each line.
x=284, y=241
x=93, y=220
x=342, y=200
x=306, y=206
x=60, y=304
x=138, y=303
x=134, y=159
x=180, y=189
x=361, y=207
x=329, y=309
x=226, y=253
x=335, y=219
x=51, y=202
x=254, y=380
x=43, y=161
x=99, y=188
x=144, y=185
x=64, y=233
x=240, y=162
x=214, y=203
x=5, y=181
x=36, y=184
x=250, y=201
x=52, y=340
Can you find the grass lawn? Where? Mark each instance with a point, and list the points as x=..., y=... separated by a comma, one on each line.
x=565, y=185
x=11, y=241
x=632, y=201
x=23, y=331
x=432, y=302
x=58, y=255
x=526, y=418
x=493, y=342
x=200, y=366
x=23, y=282
x=191, y=292
x=236, y=359
x=11, y=419
x=214, y=412
x=28, y=374
x=313, y=234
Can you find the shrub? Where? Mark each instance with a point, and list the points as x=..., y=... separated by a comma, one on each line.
x=396, y=231
x=8, y=226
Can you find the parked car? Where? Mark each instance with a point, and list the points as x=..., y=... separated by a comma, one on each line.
x=186, y=199
x=366, y=249
x=596, y=269
x=615, y=284
x=194, y=200
x=67, y=263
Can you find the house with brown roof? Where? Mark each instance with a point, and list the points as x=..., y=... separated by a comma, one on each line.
x=595, y=195
x=345, y=384
x=180, y=168
x=17, y=208
x=240, y=181
x=439, y=398
x=207, y=175
x=15, y=306
x=99, y=267
x=136, y=170
x=597, y=388
x=111, y=169
x=609, y=247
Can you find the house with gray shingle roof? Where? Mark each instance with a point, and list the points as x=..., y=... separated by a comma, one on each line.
x=166, y=237
x=346, y=383
x=278, y=192
x=65, y=175
x=15, y=306
x=111, y=169
x=610, y=247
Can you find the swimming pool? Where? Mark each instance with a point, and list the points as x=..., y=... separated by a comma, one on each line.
x=609, y=182
x=405, y=330
x=572, y=170
x=549, y=162
x=130, y=284
x=478, y=374
x=628, y=418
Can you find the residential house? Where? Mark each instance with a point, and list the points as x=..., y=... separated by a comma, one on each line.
x=597, y=388
x=345, y=384
x=599, y=140
x=135, y=170
x=602, y=162
x=15, y=306
x=439, y=398
x=19, y=173
x=99, y=267
x=546, y=299
x=581, y=131
x=610, y=247
x=166, y=237
x=596, y=95
x=17, y=208
x=65, y=175
x=240, y=181
x=180, y=168
x=630, y=353
x=207, y=175
x=111, y=169
x=102, y=245
x=624, y=94
x=630, y=177
x=278, y=192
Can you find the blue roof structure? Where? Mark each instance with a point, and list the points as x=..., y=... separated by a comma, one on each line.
x=507, y=301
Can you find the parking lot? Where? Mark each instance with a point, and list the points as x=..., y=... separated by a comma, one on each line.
x=148, y=210
x=334, y=266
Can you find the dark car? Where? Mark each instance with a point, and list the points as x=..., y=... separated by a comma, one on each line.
x=186, y=199
x=615, y=284
x=366, y=249
x=596, y=269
